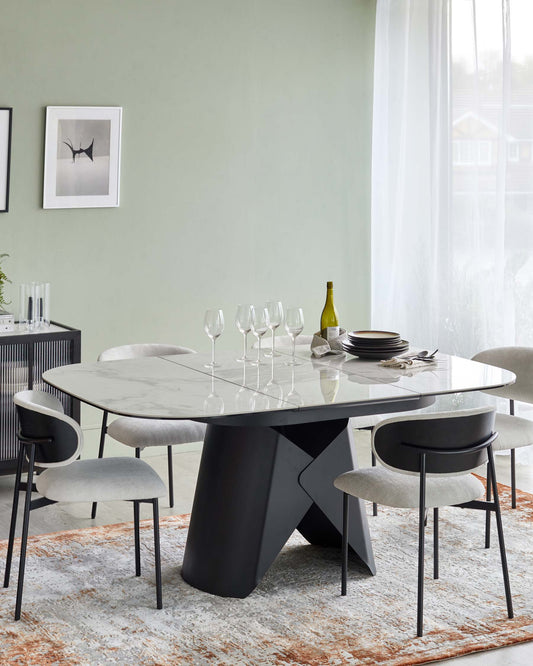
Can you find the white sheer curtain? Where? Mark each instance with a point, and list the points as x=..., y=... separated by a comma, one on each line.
x=409, y=166
x=452, y=173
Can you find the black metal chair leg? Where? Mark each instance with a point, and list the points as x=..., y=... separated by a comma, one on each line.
x=374, y=505
x=170, y=478
x=103, y=430
x=25, y=526
x=137, y=536
x=499, y=525
x=137, y=452
x=488, y=512
x=345, y=515
x=14, y=511
x=421, y=534
x=157, y=554
x=435, y=542
x=513, y=464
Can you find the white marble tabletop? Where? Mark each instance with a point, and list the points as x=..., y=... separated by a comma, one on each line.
x=182, y=387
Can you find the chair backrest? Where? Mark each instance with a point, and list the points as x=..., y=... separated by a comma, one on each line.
x=516, y=359
x=446, y=434
x=142, y=349
x=41, y=417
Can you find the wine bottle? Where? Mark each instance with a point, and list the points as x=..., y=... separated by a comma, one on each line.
x=329, y=321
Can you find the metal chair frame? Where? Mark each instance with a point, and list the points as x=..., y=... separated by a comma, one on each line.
x=518, y=360
x=27, y=449
x=103, y=433
x=103, y=428
x=487, y=506
x=513, y=485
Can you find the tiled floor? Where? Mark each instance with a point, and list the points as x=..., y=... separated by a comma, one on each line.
x=73, y=516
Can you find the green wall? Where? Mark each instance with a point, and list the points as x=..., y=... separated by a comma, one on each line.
x=245, y=160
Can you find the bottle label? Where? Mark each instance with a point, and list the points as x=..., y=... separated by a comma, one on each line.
x=332, y=332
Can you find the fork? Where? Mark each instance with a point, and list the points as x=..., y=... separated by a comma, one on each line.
x=422, y=356
x=426, y=357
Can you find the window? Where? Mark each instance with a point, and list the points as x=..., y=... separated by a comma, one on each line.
x=512, y=151
x=472, y=152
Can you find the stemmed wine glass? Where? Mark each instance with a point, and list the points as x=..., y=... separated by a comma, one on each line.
x=213, y=326
x=294, y=325
x=275, y=314
x=260, y=325
x=243, y=321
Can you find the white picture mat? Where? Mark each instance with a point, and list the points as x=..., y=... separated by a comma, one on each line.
x=53, y=115
x=5, y=115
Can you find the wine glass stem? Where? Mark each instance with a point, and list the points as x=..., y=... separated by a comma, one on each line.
x=213, y=352
x=259, y=350
x=293, y=349
x=273, y=340
x=244, y=348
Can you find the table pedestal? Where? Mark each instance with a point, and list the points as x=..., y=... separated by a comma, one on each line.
x=256, y=485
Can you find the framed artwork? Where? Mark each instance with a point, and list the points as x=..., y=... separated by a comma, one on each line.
x=82, y=156
x=6, y=117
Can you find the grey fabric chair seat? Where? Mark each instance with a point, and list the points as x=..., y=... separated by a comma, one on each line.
x=141, y=349
x=380, y=485
x=140, y=433
x=513, y=432
x=368, y=421
x=53, y=441
x=426, y=463
x=101, y=480
x=512, y=435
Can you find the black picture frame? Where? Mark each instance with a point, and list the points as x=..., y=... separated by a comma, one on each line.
x=6, y=122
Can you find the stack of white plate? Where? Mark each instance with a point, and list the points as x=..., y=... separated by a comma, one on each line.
x=375, y=344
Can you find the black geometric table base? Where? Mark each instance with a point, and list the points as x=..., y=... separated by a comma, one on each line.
x=256, y=485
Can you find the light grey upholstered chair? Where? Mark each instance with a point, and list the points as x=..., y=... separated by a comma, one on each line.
x=52, y=440
x=426, y=460
x=368, y=422
x=140, y=433
x=513, y=431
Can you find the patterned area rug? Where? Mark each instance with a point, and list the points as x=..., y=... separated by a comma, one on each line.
x=83, y=605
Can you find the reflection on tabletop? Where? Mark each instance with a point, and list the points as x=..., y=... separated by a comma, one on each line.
x=214, y=403
x=276, y=385
x=179, y=386
x=272, y=387
x=339, y=380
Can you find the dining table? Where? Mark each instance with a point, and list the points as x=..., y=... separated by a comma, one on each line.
x=277, y=436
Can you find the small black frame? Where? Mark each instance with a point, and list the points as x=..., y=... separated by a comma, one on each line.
x=6, y=120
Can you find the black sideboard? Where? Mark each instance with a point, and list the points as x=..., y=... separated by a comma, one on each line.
x=24, y=356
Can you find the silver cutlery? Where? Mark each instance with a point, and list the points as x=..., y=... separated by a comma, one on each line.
x=422, y=356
